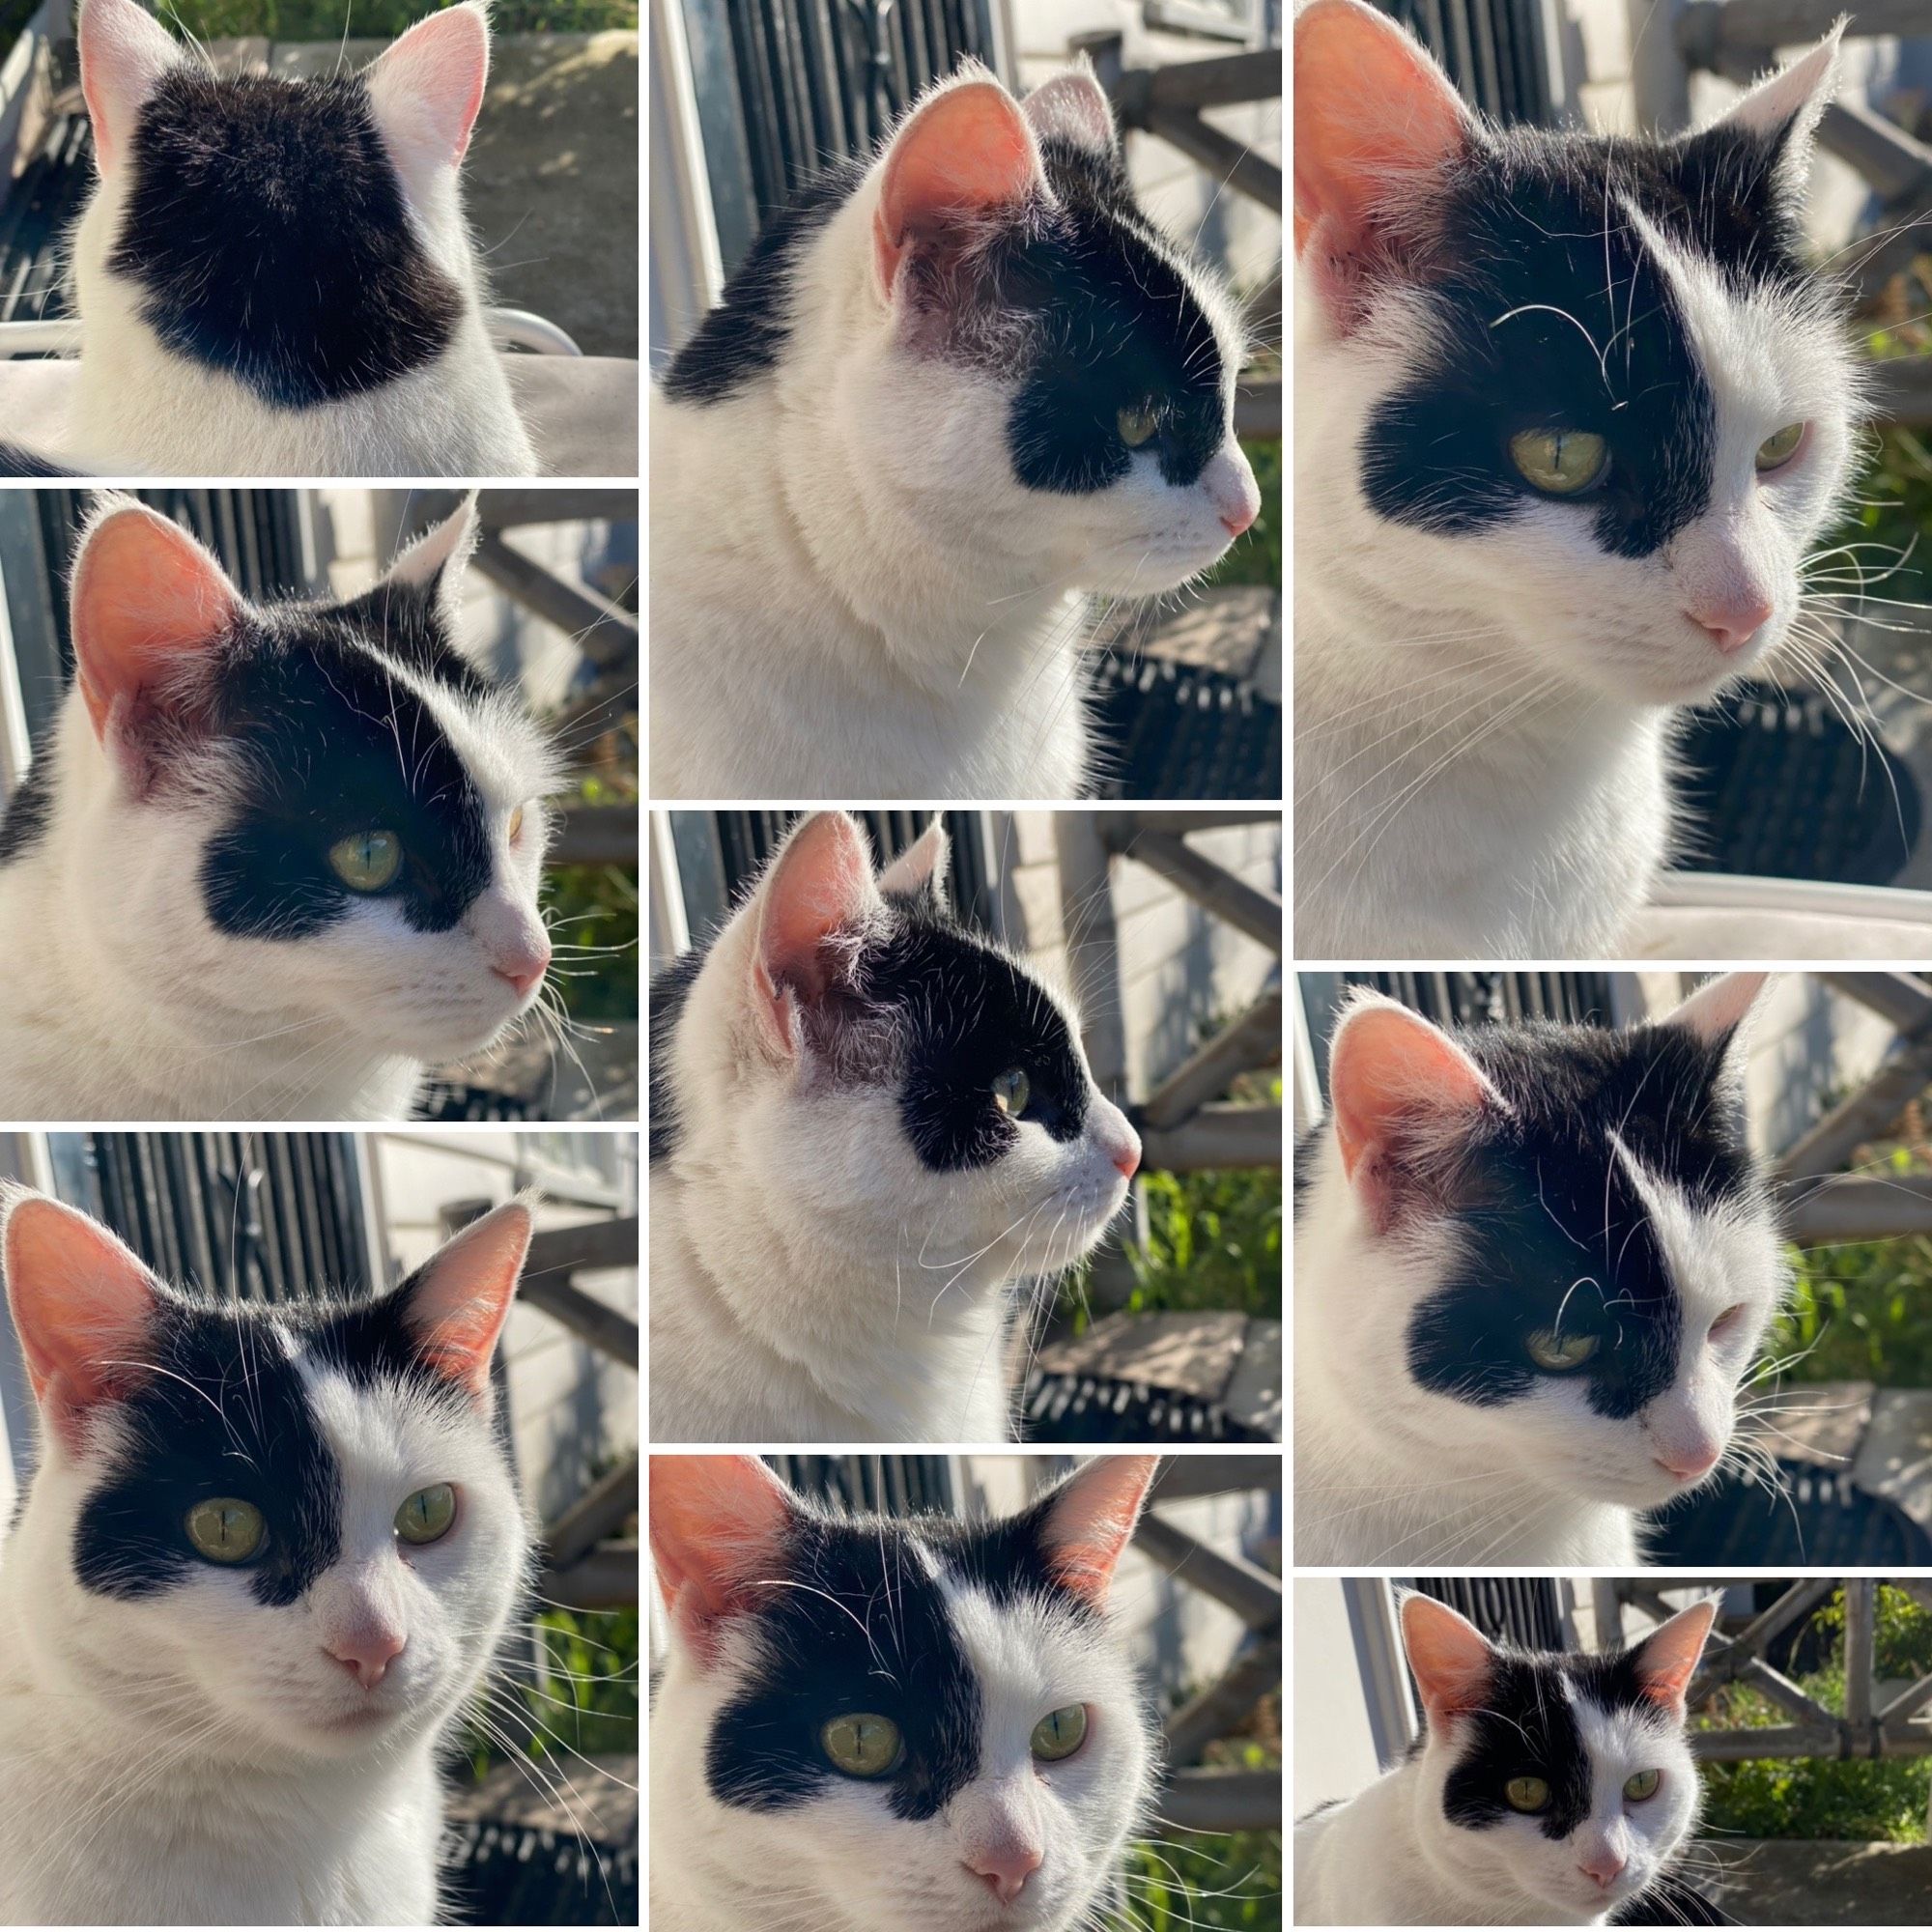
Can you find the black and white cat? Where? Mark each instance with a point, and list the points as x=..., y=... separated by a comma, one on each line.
x=1571, y=414
x=871, y=1721
x=946, y=393
x=1544, y=1790
x=273, y=277
x=867, y=1123
x=273, y=859
x=1533, y=1265
x=263, y=1562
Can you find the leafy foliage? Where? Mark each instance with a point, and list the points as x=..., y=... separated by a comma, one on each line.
x=584, y=1700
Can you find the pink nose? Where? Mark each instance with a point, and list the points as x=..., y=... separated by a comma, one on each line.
x=1603, y=1867
x=1685, y=1464
x=1732, y=622
x=1006, y=1869
x=366, y=1655
x=524, y=969
x=1236, y=520
x=1127, y=1155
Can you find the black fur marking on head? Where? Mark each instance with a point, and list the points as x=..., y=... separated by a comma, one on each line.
x=829, y=1649
x=1550, y=310
x=966, y=1014
x=746, y=334
x=17, y=461
x=668, y=991
x=266, y=228
x=328, y=743
x=232, y=1417
x=1527, y=1728
x=1550, y=1220
x=28, y=813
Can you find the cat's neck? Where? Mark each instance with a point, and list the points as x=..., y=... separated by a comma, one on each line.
x=111, y=1015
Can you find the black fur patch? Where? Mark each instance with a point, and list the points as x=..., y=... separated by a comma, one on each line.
x=230, y=1417
x=17, y=461
x=266, y=228
x=1550, y=311
x=1527, y=1728
x=668, y=992
x=30, y=810
x=1554, y=1234
x=869, y=1632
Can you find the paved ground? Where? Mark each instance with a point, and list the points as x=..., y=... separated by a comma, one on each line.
x=551, y=177
x=1823, y=1881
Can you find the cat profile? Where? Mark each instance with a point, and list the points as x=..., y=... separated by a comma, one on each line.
x=867, y=1123
x=1533, y=1267
x=273, y=859
x=950, y=392
x=1546, y=1789
x=868, y=1721
x=263, y=1563
x=272, y=275
x=1572, y=415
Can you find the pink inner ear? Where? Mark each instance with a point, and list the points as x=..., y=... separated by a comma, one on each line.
x=821, y=885
x=1092, y=1516
x=1450, y=1657
x=1387, y=1066
x=718, y=1525
x=965, y=153
x=123, y=51
x=460, y=1299
x=1667, y=1658
x=428, y=88
x=147, y=601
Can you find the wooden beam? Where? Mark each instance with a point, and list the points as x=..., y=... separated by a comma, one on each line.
x=1901, y=386
x=1225, y=1703
x=600, y=1512
x=1860, y=1209
x=1756, y=26
x=1902, y=998
x=1214, y=1137
x=1896, y=166
x=1246, y=907
x=1252, y=1041
x=1222, y=1801
x=584, y=1315
x=1182, y=823
x=1225, y=81
x=515, y=510
x=596, y=834
x=1257, y=407
x=603, y=632
x=1253, y=1594
x=596, y=1244
x=1182, y=1477
x=605, y=1580
x=1224, y=157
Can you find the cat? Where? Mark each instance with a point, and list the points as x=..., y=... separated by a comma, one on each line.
x=263, y=1565
x=868, y=1122
x=272, y=859
x=1544, y=1790
x=272, y=275
x=1533, y=1265
x=947, y=393
x=1571, y=415
x=921, y=1725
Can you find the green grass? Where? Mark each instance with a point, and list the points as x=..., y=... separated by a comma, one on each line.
x=1255, y=557
x=587, y=1702
x=1821, y=1798
x=383, y=19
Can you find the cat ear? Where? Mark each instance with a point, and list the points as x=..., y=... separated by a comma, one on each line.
x=1394, y=1080
x=1072, y=107
x=1784, y=111
x=1375, y=119
x=1666, y=1659
x=426, y=89
x=820, y=888
x=83, y=1307
x=1719, y=1008
x=456, y=1304
x=149, y=608
x=1450, y=1659
x=124, y=52
x=922, y=866
x=1085, y=1524
x=719, y=1529
x=965, y=157
x=434, y=562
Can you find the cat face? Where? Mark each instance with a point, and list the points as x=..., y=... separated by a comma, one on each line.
x=1585, y=388
x=298, y=1529
x=859, y=1053
x=1016, y=350
x=1567, y=1251
x=300, y=236
x=310, y=815
x=1566, y=1777
x=939, y=1733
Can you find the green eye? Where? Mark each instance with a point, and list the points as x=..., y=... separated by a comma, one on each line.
x=225, y=1529
x=1526, y=1793
x=864, y=1744
x=1560, y=1354
x=1560, y=462
x=427, y=1515
x=1775, y=451
x=365, y=861
x=1011, y=1090
x=1060, y=1733
x=1642, y=1784
x=1137, y=425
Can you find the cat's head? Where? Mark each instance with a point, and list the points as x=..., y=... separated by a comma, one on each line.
x=316, y=813
x=1583, y=387
x=303, y=237
x=848, y=1048
x=915, y=1724
x=1016, y=350
x=1565, y=1778
x=288, y=1528
x=1549, y=1248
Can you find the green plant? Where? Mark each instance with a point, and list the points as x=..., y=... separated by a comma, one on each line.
x=582, y=1699
x=1255, y=557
